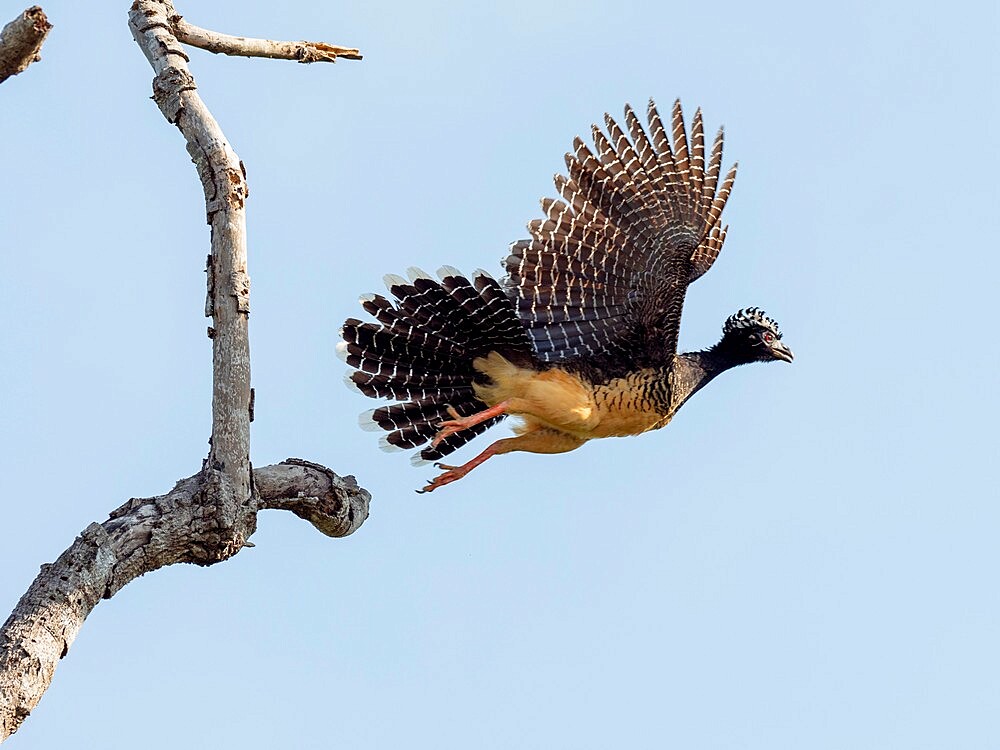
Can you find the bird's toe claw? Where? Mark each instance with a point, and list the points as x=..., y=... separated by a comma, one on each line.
x=451, y=474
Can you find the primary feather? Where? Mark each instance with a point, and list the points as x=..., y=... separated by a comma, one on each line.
x=605, y=273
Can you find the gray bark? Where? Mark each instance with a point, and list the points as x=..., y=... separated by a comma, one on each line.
x=209, y=516
x=141, y=536
x=303, y=52
x=21, y=42
x=224, y=183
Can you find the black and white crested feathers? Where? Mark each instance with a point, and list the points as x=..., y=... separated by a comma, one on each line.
x=750, y=317
x=749, y=335
x=421, y=349
x=605, y=272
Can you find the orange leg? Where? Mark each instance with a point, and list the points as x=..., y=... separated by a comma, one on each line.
x=541, y=440
x=458, y=423
x=454, y=473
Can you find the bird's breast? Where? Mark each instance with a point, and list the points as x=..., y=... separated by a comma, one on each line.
x=567, y=402
x=629, y=405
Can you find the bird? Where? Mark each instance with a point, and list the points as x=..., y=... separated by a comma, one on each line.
x=579, y=339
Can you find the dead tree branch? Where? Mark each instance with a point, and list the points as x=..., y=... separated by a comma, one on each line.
x=141, y=536
x=21, y=41
x=209, y=516
x=335, y=505
x=224, y=183
x=303, y=52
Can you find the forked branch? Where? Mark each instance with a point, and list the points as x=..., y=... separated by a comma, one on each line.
x=209, y=516
x=141, y=536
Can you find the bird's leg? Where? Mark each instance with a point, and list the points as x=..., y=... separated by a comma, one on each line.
x=538, y=440
x=457, y=423
x=454, y=473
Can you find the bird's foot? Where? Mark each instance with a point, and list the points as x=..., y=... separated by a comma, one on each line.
x=451, y=474
x=457, y=423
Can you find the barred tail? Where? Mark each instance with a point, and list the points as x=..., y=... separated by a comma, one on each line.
x=421, y=350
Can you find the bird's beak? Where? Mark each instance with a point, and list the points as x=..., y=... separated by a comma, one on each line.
x=782, y=352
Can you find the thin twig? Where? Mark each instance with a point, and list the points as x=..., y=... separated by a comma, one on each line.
x=303, y=52
x=21, y=41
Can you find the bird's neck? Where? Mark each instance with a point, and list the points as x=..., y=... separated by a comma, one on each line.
x=692, y=371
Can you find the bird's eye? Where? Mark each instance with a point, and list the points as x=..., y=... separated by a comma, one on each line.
x=768, y=337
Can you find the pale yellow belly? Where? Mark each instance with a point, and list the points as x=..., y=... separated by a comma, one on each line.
x=622, y=412
x=564, y=402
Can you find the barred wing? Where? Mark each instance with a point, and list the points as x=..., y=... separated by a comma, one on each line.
x=605, y=272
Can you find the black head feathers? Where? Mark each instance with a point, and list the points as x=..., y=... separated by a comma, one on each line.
x=750, y=317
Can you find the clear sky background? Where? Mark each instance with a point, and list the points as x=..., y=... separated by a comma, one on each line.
x=806, y=557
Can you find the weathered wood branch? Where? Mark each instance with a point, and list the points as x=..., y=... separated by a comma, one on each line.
x=21, y=42
x=335, y=505
x=224, y=183
x=210, y=516
x=141, y=536
x=303, y=52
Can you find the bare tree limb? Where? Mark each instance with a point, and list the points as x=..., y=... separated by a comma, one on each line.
x=303, y=52
x=141, y=536
x=207, y=517
x=224, y=183
x=335, y=505
x=21, y=42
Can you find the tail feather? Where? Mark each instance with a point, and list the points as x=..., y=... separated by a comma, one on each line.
x=425, y=303
x=382, y=386
x=414, y=434
x=394, y=346
x=396, y=322
x=420, y=354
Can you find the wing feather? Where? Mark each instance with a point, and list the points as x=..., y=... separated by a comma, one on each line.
x=680, y=142
x=605, y=270
x=697, y=158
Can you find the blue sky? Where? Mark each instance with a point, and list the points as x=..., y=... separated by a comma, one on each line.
x=805, y=557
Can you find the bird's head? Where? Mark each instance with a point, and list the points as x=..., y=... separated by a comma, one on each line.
x=750, y=336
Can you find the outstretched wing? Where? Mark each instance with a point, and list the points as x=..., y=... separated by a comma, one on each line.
x=606, y=270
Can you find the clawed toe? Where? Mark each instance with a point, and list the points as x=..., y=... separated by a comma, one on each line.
x=457, y=423
x=451, y=474
x=449, y=427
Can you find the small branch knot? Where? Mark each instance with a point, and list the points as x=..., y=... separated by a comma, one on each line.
x=219, y=495
x=168, y=85
x=95, y=534
x=240, y=284
x=210, y=293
